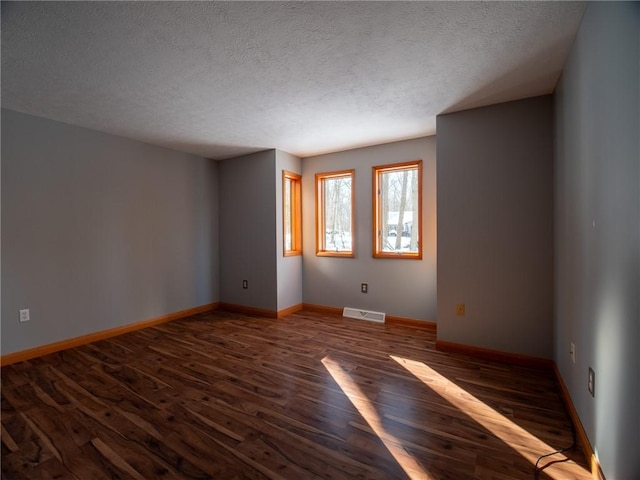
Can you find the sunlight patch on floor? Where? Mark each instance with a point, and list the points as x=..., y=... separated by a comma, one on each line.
x=502, y=427
x=360, y=401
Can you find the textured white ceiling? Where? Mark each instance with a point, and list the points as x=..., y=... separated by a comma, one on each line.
x=220, y=79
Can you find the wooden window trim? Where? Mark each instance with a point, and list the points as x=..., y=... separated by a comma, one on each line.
x=320, y=228
x=377, y=211
x=296, y=213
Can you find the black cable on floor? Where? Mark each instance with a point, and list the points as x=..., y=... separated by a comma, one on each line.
x=537, y=470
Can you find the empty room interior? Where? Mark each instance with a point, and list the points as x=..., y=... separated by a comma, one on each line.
x=320, y=240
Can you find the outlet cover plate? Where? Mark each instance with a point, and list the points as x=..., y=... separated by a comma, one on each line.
x=24, y=315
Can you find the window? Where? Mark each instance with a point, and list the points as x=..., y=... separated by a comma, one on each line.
x=292, y=213
x=334, y=213
x=397, y=210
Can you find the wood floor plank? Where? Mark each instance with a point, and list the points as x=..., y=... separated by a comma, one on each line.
x=137, y=455
x=114, y=459
x=230, y=396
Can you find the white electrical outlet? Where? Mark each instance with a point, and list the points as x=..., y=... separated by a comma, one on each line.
x=572, y=352
x=24, y=315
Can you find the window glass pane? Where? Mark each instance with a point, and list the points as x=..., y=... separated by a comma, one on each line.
x=334, y=213
x=399, y=195
x=397, y=210
x=291, y=213
x=287, y=215
x=337, y=214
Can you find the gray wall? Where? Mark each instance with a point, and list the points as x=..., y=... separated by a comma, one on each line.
x=403, y=288
x=597, y=107
x=99, y=231
x=289, y=268
x=248, y=230
x=495, y=227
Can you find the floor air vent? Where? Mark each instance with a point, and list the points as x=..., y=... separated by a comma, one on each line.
x=363, y=314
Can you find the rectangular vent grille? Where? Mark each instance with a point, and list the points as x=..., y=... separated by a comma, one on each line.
x=363, y=314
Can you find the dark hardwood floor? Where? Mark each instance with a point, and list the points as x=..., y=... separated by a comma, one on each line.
x=226, y=396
